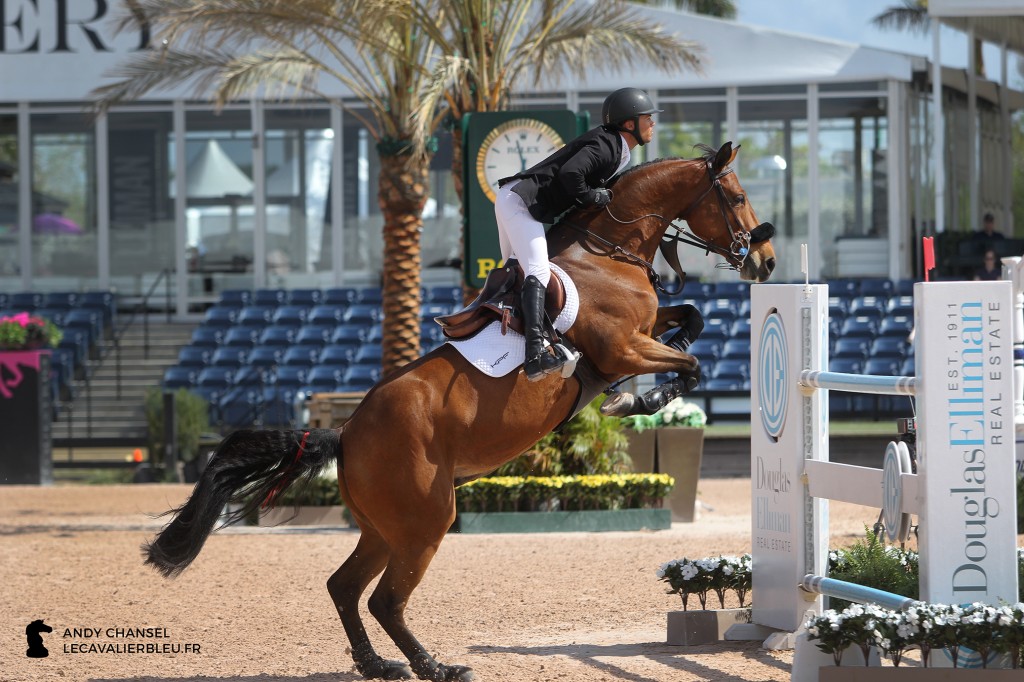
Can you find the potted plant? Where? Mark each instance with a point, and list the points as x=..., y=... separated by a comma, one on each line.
x=192, y=420
x=675, y=446
x=700, y=578
x=25, y=398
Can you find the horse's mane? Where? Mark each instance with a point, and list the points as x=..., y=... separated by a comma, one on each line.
x=707, y=156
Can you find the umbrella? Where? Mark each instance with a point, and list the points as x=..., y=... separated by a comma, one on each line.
x=51, y=223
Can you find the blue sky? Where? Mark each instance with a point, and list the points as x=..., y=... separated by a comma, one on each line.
x=850, y=20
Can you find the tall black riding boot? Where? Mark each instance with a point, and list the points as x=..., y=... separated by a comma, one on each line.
x=539, y=360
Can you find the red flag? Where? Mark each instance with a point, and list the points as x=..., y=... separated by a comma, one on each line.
x=928, y=244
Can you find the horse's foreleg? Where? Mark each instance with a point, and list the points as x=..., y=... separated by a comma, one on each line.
x=406, y=566
x=644, y=355
x=685, y=318
x=347, y=584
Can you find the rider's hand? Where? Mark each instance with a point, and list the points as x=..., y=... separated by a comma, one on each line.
x=599, y=197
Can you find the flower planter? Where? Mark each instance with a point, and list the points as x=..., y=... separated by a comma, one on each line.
x=26, y=417
x=904, y=674
x=563, y=521
x=679, y=451
x=304, y=516
x=693, y=628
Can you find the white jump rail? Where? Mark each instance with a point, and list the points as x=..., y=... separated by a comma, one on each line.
x=964, y=490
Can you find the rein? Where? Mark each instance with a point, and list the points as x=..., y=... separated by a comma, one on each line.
x=734, y=255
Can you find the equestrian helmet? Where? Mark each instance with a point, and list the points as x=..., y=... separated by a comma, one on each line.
x=627, y=104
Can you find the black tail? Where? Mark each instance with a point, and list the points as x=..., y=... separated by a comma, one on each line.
x=249, y=468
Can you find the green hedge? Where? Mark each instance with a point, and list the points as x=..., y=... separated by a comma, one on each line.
x=566, y=493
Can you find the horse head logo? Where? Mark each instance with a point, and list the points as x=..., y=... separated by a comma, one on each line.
x=35, y=640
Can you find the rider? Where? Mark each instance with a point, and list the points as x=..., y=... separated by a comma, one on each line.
x=574, y=175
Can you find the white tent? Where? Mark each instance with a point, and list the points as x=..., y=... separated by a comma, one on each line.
x=213, y=175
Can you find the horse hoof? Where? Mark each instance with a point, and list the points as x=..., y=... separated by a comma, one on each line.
x=456, y=673
x=619, y=405
x=380, y=669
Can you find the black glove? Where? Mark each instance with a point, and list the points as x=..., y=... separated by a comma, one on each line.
x=599, y=197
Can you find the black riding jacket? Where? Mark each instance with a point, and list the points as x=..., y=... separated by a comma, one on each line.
x=568, y=177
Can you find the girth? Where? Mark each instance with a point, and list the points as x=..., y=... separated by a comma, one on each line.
x=499, y=300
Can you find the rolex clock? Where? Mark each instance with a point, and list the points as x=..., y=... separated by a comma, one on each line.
x=496, y=145
x=512, y=147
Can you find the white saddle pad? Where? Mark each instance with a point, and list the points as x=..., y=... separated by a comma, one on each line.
x=496, y=354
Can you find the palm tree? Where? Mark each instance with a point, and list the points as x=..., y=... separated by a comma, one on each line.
x=237, y=47
x=384, y=51
x=913, y=16
x=488, y=45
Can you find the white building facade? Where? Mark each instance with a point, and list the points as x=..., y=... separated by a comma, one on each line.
x=836, y=151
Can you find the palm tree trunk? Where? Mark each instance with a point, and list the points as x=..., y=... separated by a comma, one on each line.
x=402, y=196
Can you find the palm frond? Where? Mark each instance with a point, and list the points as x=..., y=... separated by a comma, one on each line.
x=911, y=16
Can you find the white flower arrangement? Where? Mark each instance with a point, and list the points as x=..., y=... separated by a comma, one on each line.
x=713, y=574
x=677, y=413
x=983, y=629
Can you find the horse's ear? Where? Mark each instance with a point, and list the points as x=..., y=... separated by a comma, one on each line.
x=724, y=157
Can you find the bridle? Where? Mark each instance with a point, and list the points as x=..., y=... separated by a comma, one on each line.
x=735, y=255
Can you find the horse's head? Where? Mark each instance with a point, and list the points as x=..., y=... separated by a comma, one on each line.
x=723, y=218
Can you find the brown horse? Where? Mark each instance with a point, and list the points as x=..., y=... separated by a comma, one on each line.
x=439, y=421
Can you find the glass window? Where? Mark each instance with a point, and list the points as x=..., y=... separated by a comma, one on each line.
x=684, y=125
x=219, y=210
x=64, y=250
x=690, y=92
x=10, y=268
x=360, y=170
x=866, y=86
x=799, y=89
x=442, y=216
x=772, y=167
x=141, y=209
x=853, y=180
x=299, y=145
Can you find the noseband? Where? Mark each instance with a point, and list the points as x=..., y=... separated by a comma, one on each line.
x=739, y=247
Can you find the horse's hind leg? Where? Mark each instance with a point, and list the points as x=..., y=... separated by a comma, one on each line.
x=406, y=566
x=346, y=586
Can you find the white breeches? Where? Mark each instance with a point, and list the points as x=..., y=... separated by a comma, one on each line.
x=520, y=234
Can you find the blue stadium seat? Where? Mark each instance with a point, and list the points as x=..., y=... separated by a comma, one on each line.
x=290, y=376
x=732, y=384
x=251, y=375
x=888, y=347
x=716, y=329
x=348, y=334
x=374, y=334
x=731, y=369
x=724, y=308
x=364, y=314
x=266, y=356
x=26, y=300
x=314, y=334
x=220, y=316
x=62, y=300
x=846, y=365
x=368, y=354
x=229, y=356
x=445, y=295
x=431, y=310
x=86, y=319
x=279, y=406
x=326, y=314
x=255, y=316
x=370, y=295
x=241, y=406
x=903, y=287
x=883, y=367
x=339, y=296
x=736, y=349
x=307, y=298
x=705, y=348
x=901, y=305
x=180, y=377
x=868, y=306
x=277, y=336
x=324, y=379
x=859, y=326
x=732, y=289
x=77, y=341
x=360, y=378
x=209, y=337
x=852, y=347
x=431, y=333
x=194, y=356
x=844, y=288
x=269, y=297
x=215, y=377
x=301, y=355
x=838, y=306
x=291, y=315
x=242, y=337
x=898, y=326
x=55, y=315
x=103, y=301
x=907, y=367
x=235, y=298
x=876, y=287
x=337, y=354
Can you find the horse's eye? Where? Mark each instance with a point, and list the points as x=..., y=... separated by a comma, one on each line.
x=739, y=200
